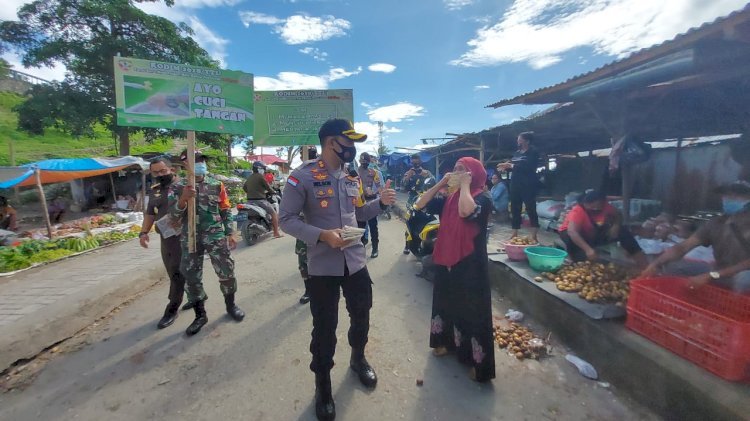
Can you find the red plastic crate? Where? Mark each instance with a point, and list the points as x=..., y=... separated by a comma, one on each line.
x=709, y=326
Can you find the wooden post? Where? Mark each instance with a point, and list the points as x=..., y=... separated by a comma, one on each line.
x=676, y=199
x=437, y=167
x=191, y=182
x=11, y=146
x=627, y=193
x=43, y=199
x=481, y=150
x=305, y=155
x=112, y=183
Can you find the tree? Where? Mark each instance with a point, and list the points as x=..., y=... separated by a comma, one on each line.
x=4, y=67
x=383, y=150
x=85, y=35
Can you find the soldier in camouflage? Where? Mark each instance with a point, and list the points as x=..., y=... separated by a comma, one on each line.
x=214, y=236
x=300, y=248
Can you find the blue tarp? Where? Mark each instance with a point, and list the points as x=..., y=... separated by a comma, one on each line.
x=61, y=170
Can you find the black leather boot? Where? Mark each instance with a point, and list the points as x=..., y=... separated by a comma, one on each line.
x=200, y=318
x=170, y=314
x=232, y=309
x=374, y=250
x=325, y=409
x=305, y=298
x=188, y=305
x=364, y=370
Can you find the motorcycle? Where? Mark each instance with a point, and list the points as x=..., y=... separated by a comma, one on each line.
x=253, y=221
x=421, y=228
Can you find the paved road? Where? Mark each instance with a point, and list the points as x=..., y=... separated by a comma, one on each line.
x=124, y=369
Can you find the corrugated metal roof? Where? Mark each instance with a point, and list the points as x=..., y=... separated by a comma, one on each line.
x=635, y=58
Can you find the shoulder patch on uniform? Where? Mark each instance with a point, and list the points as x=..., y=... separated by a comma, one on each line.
x=292, y=180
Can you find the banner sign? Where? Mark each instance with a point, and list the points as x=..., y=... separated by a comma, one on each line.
x=287, y=118
x=184, y=97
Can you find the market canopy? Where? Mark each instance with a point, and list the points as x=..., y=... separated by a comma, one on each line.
x=62, y=170
x=267, y=159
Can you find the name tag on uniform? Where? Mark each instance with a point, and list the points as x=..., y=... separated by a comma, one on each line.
x=321, y=183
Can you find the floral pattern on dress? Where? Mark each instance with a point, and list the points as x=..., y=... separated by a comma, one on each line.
x=436, y=327
x=477, y=351
x=457, y=336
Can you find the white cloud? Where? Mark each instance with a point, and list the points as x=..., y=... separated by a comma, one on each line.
x=248, y=18
x=480, y=87
x=182, y=12
x=539, y=32
x=295, y=80
x=457, y=4
x=9, y=9
x=364, y=104
x=300, y=29
x=47, y=73
x=373, y=136
x=316, y=53
x=381, y=67
x=396, y=112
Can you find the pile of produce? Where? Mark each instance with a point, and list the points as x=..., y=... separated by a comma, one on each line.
x=594, y=282
x=519, y=341
x=30, y=252
x=522, y=241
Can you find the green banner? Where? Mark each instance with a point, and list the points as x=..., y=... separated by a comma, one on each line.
x=179, y=96
x=285, y=118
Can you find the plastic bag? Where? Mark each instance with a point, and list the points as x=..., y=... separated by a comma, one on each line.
x=169, y=226
x=587, y=370
x=514, y=315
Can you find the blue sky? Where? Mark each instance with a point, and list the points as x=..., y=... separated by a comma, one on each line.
x=425, y=67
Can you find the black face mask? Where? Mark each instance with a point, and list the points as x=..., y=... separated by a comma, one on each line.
x=417, y=169
x=165, y=180
x=347, y=153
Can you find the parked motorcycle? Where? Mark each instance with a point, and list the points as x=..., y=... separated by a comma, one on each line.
x=421, y=228
x=253, y=221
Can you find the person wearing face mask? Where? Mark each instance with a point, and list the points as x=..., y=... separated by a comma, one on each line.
x=729, y=235
x=372, y=183
x=320, y=199
x=524, y=183
x=461, y=297
x=214, y=236
x=158, y=206
x=593, y=223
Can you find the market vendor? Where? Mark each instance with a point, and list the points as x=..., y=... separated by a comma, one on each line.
x=729, y=235
x=8, y=218
x=593, y=223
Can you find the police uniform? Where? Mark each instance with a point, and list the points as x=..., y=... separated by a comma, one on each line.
x=158, y=207
x=213, y=227
x=371, y=181
x=316, y=199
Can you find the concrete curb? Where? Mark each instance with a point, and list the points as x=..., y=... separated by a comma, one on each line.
x=62, y=319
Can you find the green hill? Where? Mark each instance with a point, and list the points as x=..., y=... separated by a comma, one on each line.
x=56, y=144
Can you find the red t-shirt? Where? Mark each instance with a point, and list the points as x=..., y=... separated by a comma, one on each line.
x=269, y=178
x=585, y=222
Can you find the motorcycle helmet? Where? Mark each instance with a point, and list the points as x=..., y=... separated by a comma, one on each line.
x=258, y=165
x=429, y=183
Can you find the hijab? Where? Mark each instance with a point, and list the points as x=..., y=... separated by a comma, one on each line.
x=456, y=238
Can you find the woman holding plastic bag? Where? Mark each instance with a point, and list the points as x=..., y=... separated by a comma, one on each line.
x=461, y=303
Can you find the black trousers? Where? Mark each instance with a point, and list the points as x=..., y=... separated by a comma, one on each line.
x=520, y=196
x=324, y=306
x=373, y=223
x=624, y=236
x=171, y=254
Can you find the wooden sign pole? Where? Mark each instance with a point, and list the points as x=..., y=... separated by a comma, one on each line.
x=191, y=182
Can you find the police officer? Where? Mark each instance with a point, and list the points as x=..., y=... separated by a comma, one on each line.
x=214, y=235
x=158, y=206
x=319, y=200
x=413, y=183
x=300, y=248
x=372, y=183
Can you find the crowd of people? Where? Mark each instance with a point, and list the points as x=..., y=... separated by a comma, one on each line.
x=329, y=194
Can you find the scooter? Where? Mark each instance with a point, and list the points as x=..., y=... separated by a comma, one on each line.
x=253, y=221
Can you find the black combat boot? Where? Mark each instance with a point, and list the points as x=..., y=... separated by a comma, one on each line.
x=232, y=309
x=200, y=318
x=359, y=365
x=170, y=314
x=305, y=298
x=188, y=305
x=374, y=250
x=325, y=409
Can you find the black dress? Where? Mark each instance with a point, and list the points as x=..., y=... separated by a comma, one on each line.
x=461, y=300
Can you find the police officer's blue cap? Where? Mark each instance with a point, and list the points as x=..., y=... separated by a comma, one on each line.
x=340, y=127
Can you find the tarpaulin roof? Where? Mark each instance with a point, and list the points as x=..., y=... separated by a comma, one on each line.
x=267, y=159
x=61, y=170
x=10, y=173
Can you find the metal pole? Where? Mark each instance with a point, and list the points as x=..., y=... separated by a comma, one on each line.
x=305, y=154
x=191, y=182
x=43, y=199
x=437, y=167
x=11, y=146
x=481, y=151
x=143, y=191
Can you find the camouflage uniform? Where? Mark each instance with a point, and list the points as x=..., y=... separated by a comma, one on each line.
x=213, y=227
x=300, y=248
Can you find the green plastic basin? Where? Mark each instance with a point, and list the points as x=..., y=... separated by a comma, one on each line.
x=545, y=259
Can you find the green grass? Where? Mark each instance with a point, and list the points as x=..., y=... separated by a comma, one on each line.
x=57, y=144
